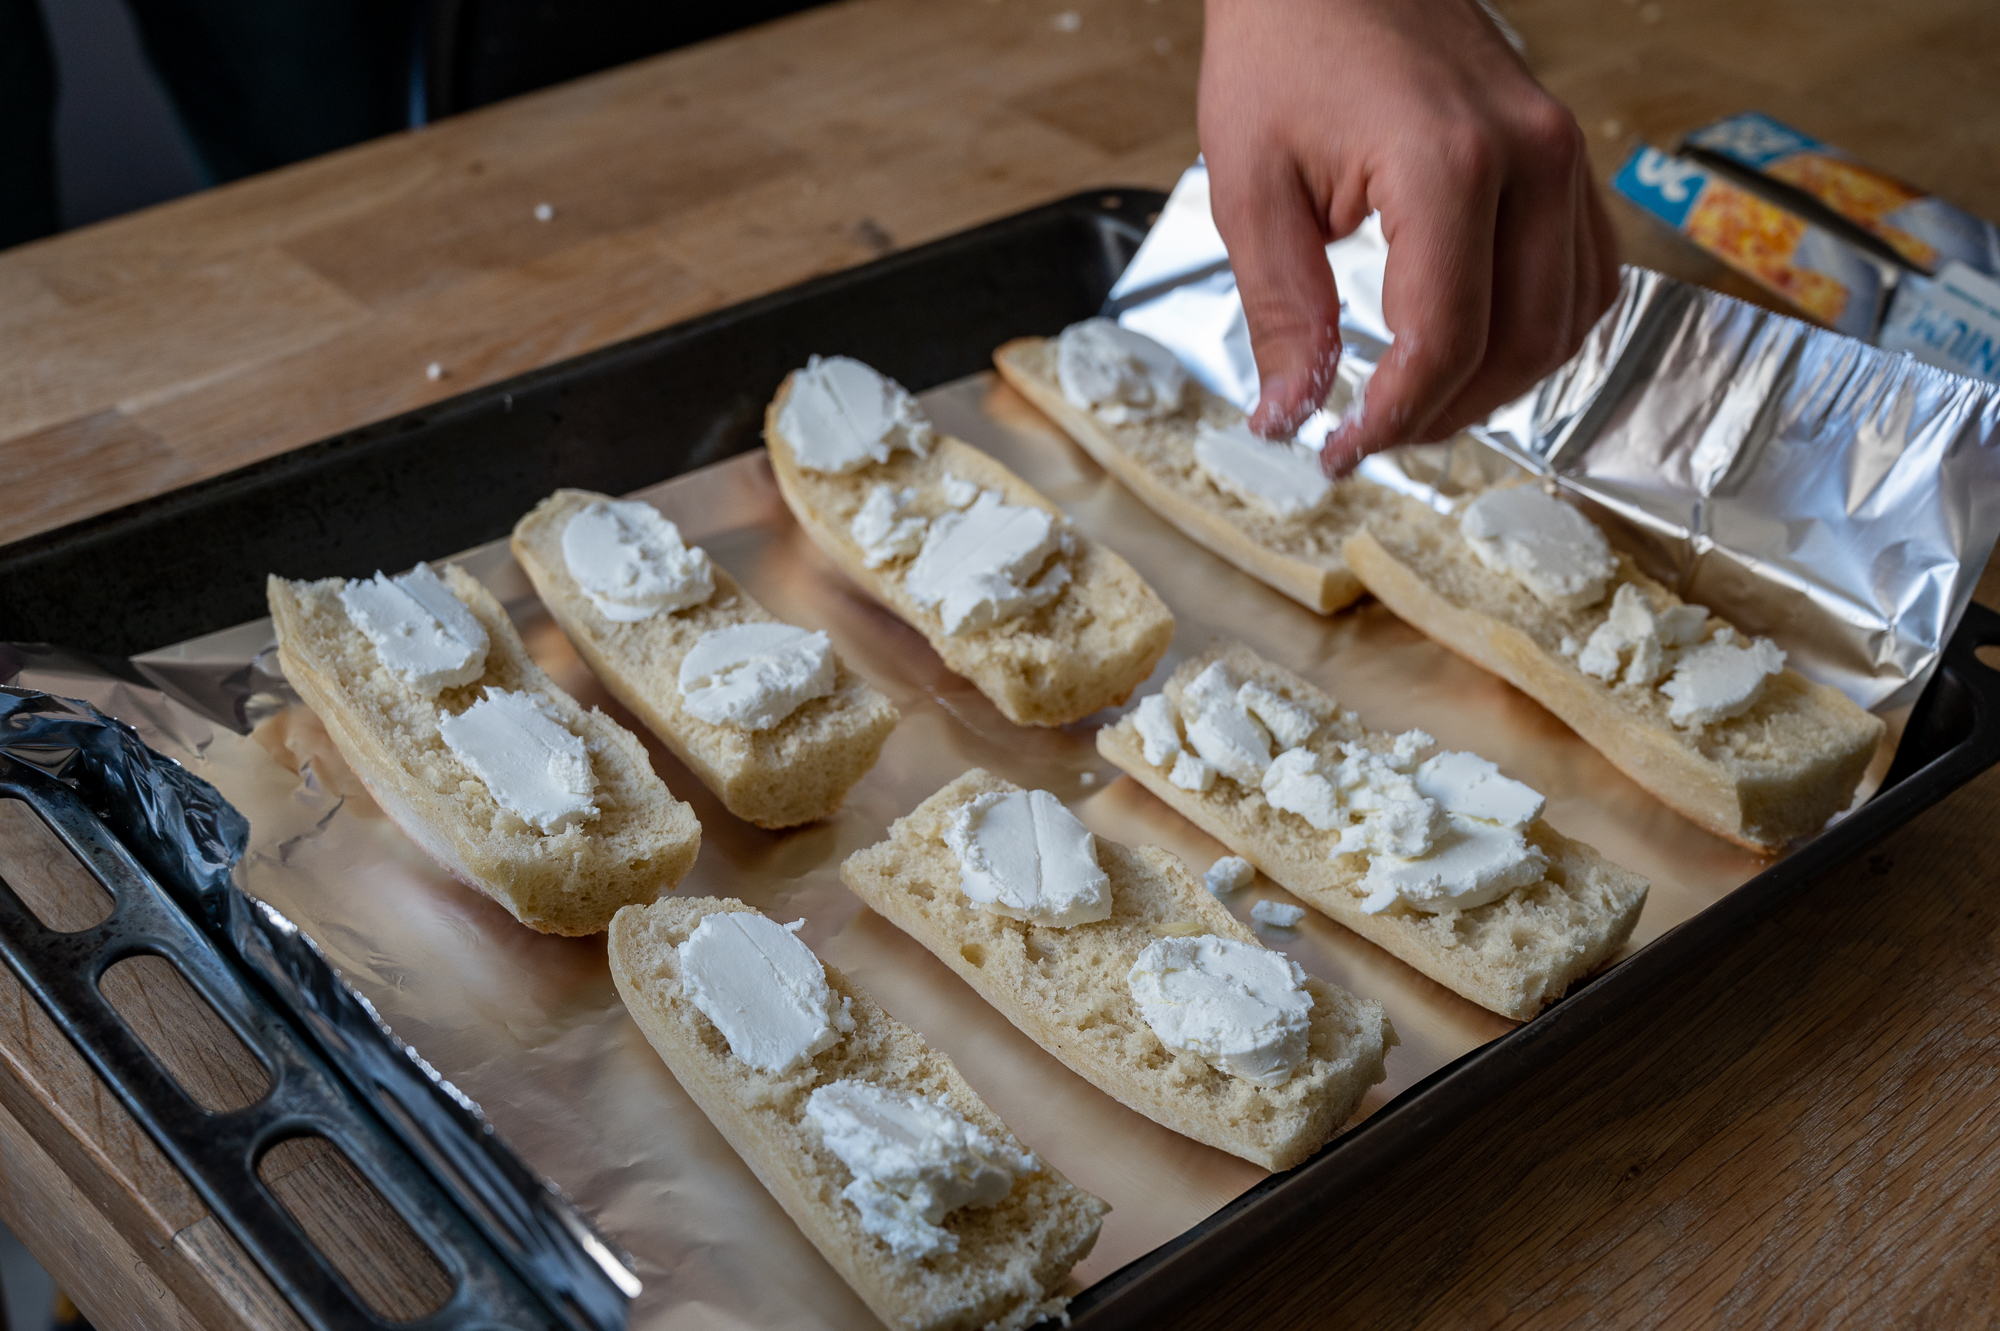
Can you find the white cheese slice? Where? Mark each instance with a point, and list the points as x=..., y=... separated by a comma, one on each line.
x=763, y=988
x=753, y=676
x=531, y=764
x=842, y=416
x=1023, y=855
x=631, y=562
x=985, y=564
x=1541, y=542
x=419, y=629
x=1116, y=373
x=1282, y=477
x=1719, y=680
x=1242, y=1008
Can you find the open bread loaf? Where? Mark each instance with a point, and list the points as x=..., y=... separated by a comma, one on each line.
x=1066, y=987
x=1776, y=772
x=641, y=843
x=1086, y=649
x=1300, y=556
x=1513, y=955
x=794, y=772
x=1010, y=1258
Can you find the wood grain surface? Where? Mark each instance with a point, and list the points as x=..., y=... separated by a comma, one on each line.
x=1804, y=1134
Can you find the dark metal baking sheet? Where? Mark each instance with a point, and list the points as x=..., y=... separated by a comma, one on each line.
x=393, y=493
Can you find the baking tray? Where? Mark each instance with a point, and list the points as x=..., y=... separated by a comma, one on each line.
x=391, y=494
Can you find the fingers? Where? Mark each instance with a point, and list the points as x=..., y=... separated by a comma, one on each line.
x=1437, y=295
x=1277, y=248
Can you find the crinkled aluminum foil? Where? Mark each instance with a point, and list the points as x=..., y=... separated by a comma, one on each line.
x=531, y=1027
x=1838, y=499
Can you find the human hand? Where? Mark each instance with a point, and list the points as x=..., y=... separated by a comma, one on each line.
x=1315, y=113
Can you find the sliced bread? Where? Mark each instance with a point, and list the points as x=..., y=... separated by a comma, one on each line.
x=1011, y=1257
x=1513, y=955
x=1155, y=459
x=1066, y=987
x=1777, y=772
x=1086, y=649
x=794, y=772
x=642, y=842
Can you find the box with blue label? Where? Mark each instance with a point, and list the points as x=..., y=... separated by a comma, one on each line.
x=1822, y=275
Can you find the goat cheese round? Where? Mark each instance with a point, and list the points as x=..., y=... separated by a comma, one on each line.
x=1242, y=1008
x=842, y=415
x=1117, y=373
x=530, y=762
x=763, y=988
x=753, y=676
x=914, y=1161
x=1541, y=542
x=631, y=563
x=419, y=629
x=1023, y=855
x=981, y=565
x=1282, y=477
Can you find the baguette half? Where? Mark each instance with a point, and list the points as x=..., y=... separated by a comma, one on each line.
x=1066, y=987
x=642, y=842
x=1155, y=460
x=1777, y=772
x=795, y=772
x=1513, y=956
x=1085, y=650
x=1011, y=1257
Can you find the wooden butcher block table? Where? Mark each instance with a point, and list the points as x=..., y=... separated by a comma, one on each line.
x=1805, y=1133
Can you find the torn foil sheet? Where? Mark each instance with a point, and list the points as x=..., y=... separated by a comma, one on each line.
x=1838, y=499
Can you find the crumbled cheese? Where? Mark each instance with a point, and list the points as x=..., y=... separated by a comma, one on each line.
x=1023, y=855
x=958, y=492
x=985, y=564
x=419, y=629
x=1116, y=373
x=1719, y=680
x=1226, y=736
x=1159, y=732
x=1191, y=773
x=1231, y=873
x=1478, y=849
x=1290, y=724
x=1544, y=544
x=753, y=676
x=1468, y=784
x=1282, y=478
x=1277, y=914
x=915, y=1160
x=1636, y=643
x=631, y=563
x=763, y=988
x=842, y=415
x=1296, y=783
x=529, y=761
x=883, y=530
x=1242, y=1008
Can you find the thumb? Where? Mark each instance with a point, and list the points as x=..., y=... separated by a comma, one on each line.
x=1277, y=248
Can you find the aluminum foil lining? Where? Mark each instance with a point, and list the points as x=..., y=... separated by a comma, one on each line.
x=531, y=1028
x=1836, y=498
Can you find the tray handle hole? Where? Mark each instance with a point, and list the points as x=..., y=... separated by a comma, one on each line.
x=63, y=894
x=193, y=1043
x=355, y=1228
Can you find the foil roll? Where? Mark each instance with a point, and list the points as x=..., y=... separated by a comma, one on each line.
x=1838, y=499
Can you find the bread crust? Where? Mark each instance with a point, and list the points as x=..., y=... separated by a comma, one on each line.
x=1066, y=987
x=642, y=843
x=1513, y=956
x=798, y=771
x=1011, y=1258
x=1775, y=774
x=1084, y=651
x=1301, y=558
